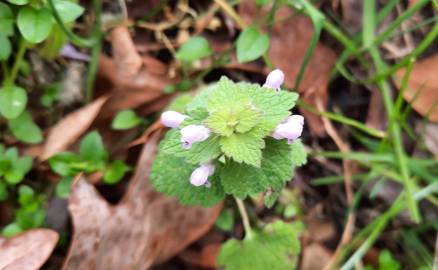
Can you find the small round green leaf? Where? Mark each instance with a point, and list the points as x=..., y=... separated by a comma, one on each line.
x=18, y=2
x=63, y=187
x=24, y=129
x=6, y=20
x=251, y=44
x=68, y=11
x=11, y=230
x=125, y=119
x=193, y=49
x=13, y=100
x=34, y=24
x=5, y=48
x=91, y=148
x=115, y=172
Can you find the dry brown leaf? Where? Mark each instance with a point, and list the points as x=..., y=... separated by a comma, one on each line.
x=315, y=257
x=135, y=80
x=146, y=227
x=289, y=42
x=431, y=138
x=206, y=258
x=128, y=61
x=422, y=90
x=27, y=251
x=71, y=127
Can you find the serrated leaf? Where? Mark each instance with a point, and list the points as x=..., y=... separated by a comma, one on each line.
x=244, y=147
x=200, y=152
x=226, y=93
x=276, y=168
x=24, y=129
x=34, y=24
x=275, y=105
x=277, y=247
x=201, y=99
x=251, y=44
x=6, y=20
x=13, y=100
x=193, y=49
x=233, y=118
x=299, y=154
x=171, y=176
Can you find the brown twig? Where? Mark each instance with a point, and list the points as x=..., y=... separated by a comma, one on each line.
x=347, y=166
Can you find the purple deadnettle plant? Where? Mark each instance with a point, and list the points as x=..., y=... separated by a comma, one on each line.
x=236, y=139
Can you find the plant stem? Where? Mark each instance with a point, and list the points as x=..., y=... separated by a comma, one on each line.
x=75, y=39
x=17, y=63
x=245, y=218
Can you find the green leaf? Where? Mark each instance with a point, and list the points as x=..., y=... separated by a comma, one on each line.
x=34, y=24
x=244, y=147
x=115, y=172
x=225, y=221
x=19, y=169
x=63, y=187
x=125, y=119
x=199, y=153
x=6, y=20
x=180, y=102
x=18, y=2
x=251, y=44
x=13, y=100
x=61, y=163
x=92, y=149
x=387, y=262
x=193, y=49
x=276, y=168
x=5, y=49
x=53, y=44
x=171, y=176
x=24, y=129
x=11, y=230
x=68, y=11
x=277, y=247
x=231, y=119
x=4, y=194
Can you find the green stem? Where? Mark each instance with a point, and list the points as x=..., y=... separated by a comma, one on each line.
x=17, y=63
x=92, y=69
x=75, y=39
x=245, y=218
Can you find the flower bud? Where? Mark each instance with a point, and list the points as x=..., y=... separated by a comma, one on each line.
x=275, y=79
x=193, y=133
x=172, y=119
x=200, y=175
x=289, y=129
x=69, y=51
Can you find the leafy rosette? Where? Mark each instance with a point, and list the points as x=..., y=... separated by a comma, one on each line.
x=229, y=140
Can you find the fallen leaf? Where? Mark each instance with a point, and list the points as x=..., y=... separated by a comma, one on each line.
x=27, y=251
x=318, y=230
x=134, y=80
x=71, y=127
x=422, y=87
x=315, y=257
x=206, y=258
x=146, y=227
x=290, y=39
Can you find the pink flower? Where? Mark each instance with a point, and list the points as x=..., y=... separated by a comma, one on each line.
x=172, y=119
x=200, y=175
x=289, y=129
x=193, y=133
x=275, y=79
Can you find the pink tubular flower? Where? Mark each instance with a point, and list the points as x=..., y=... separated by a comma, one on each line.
x=289, y=129
x=172, y=119
x=193, y=133
x=275, y=79
x=200, y=175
